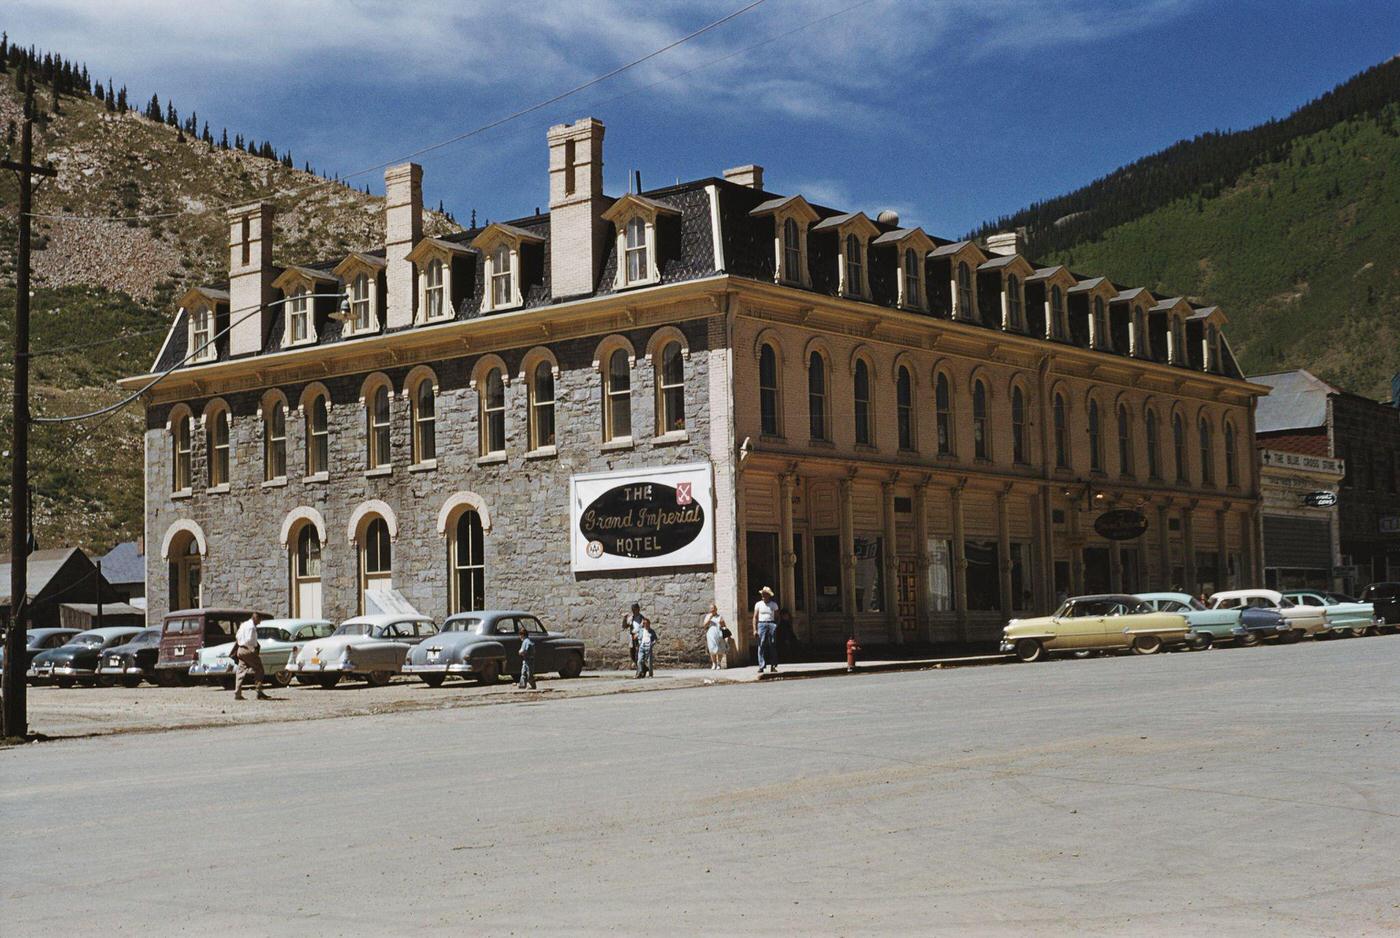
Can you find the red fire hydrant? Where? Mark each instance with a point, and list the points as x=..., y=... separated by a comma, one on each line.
x=852, y=646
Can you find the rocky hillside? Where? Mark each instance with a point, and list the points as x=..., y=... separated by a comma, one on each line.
x=150, y=201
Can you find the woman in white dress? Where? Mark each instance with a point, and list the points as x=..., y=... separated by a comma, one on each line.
x=716, y=639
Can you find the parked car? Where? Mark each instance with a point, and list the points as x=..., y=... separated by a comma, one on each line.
x=483, y=644
x=1345, y=615
x=371, y=647
x=1095, y=623
x=1298, y=622
x=1208, y=626
x=37, y=640
x=278, y=640
x=1386, y=598
x=185, y=632
x=77, y=660
x=132, y=662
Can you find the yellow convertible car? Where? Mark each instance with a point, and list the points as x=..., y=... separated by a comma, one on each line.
x=1095, y=623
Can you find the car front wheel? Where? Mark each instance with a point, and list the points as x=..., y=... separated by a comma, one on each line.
x=1029, y=649
x=1147, y=645
x=1289, y=638
x=131, y=680
x=282, y=678
x=379, y=678
x=572, y=667
x=488, y=672
x=1249, y=638
x=1202, y=641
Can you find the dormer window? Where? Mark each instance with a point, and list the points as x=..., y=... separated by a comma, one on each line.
x=908, y=260
x=647, y=231
x=299, y=286
x=360, y=273
x=298, y=316
x=445, y=273
x=791, y=215
x=853, y=233
x=501, y=276
x=202, y=334
x=433, y=289
x=965, y=308
x=1013, y=301
x=636, y=251
x=913, y=279
x=360, y=314
x=1057, y=312
x=513, y=258
x=853, y=277
x=204, y=313
x=1100, y=323
x=792, y=251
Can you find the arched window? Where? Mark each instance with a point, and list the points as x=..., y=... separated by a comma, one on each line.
x=1207, y=457
x=1140, y=338
x=670, y=390
x=862, y=402
x=1061, y=432
x=1125, y=442
x=1100, y=324
x=377, y=420
x=376, y=559
x=636, y=250
x=493, y=414
x=181, y=452
x=855, y=269
x=467, y=557
x=218, y=448
x=913, y=278
x=904, y=407
x=433, y=290
x=816, y=396
x=943, y=405
x=186, y=573
x=542, y=406
x=1013, y=300
x=275, y=442
x=306, y=573
x=768, y=393
x=1095, y=438
x=1057, y=311
x=1018, y=425
x=617, y=396
x=299, y=315
x=1179, y=446
x=424, y=423
x=981, y=432
x=792, y=251
x=1154, y=466
x=360, y=312
x=502, y=293
x=318, y=444
x=964, y=290
x=1231, y=473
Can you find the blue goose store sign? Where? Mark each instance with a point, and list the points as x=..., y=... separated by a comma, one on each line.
x=633, y=519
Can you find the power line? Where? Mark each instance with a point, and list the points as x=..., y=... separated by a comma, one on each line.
x=459, y=137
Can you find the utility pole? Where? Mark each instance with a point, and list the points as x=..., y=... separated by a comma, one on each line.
x=16, y=718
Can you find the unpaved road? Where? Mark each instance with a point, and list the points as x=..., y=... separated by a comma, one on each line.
x=1248, y=792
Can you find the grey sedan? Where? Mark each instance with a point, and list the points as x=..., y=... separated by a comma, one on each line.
x=484, y=644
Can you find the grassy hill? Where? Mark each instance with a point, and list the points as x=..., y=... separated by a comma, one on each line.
x=151, y=200
x=1293, y=228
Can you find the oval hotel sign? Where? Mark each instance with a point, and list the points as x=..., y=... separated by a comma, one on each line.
x=1121, y=524
x=642, y=518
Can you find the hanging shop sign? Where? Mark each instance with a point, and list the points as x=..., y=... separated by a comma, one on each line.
x=1320, y=499
x=637, y=518
x=1121, y=524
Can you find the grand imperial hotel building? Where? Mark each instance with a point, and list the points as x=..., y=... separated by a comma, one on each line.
x=681, y=395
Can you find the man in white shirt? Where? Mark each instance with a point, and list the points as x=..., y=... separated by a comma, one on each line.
x=246, y=658
x=765, y=629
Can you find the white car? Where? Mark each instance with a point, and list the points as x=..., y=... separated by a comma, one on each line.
x=372, y=647
x=278, y=641
x=1306, y=621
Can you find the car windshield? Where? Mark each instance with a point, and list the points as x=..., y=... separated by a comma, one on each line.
x=272, y=634
x=460, y=625
x=1335, y=598
x=91, y=639
x=1065, y=611
x=353, y=628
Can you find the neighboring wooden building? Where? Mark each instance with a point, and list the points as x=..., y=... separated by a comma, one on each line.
x=55, y=576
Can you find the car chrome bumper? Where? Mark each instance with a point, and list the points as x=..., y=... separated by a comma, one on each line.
x=119, y=672
x=62, y=671
x=1007, y=646
x=211, y=670
x=323, y=667
x=453, y=667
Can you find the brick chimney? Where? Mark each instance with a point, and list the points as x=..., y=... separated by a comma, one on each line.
x=403, y=228
x=578, y=235
x=750, y=175
x=250, y=276
x=1007, y=242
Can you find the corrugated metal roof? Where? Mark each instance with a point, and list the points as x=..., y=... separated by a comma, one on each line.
x=1297, y=401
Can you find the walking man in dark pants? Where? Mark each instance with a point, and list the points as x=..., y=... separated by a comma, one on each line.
x=765, y=629
x=247, y=658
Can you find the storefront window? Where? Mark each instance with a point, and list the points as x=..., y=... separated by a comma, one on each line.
x=826, y=550
x=940, y=575
x=1021, y=596
x=870, y=574
x=983, y=581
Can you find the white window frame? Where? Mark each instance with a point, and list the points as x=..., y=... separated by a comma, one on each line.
x=300, y=311
x=612, y=395
x=423, y=424
x=646, y=250
x=435, y=293
x=502, y=276
x=911, y=287
x=220, y=453
x=362, y=318
x=274, y=444
x=202, y=321
x=486, y=413
x=374, y=457
x=861, y=289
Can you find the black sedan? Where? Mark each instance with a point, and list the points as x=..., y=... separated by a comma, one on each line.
x=1385, y=597
x=77, y=660
x=128, y=664
x=37, y=640
x=483, y=644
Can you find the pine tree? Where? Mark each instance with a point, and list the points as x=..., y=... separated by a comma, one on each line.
x=223, y=140
x=121, y=100
x=111, y=97
x=171, y=117
x=153, y=109
x=53, y=102
x=4, y=52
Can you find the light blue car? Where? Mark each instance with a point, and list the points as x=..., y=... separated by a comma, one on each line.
x=1208, y=626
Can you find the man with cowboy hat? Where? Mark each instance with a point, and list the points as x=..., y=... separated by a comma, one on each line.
x=765, y=629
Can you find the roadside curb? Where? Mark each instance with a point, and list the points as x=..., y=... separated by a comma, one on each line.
x=878, y=667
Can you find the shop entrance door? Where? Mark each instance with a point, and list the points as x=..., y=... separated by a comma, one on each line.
x=762, y=567
x=1097, y=575
x=907, y=607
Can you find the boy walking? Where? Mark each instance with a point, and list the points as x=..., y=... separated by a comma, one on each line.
x=527, y=660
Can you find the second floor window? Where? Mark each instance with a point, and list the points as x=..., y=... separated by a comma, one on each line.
x=1207, y=457
x=943, y=405
x=433, y=290
x=318, y=436
x=1018, y=425
x=816, y=396
x=981, y=432
x=1231, y=473
x=275, y=442
x=1179, y=447
x=542, y=406
x=218, y=449
x=904, y=407
x=501, y=286
x=1095, y=438
x=424, y=423
x=862, y=403
x=617, y=396
x=1125, y=442
x=359, y=304
x=768, y=395
x=299, y=315
x=670, y=389
x=636, y=249
x=181, y=453
x=1061, y=433
x=1154, y=468
x=378, y=425
x=493, y=414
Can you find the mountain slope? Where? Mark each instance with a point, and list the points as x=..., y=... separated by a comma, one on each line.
x=1291, y=227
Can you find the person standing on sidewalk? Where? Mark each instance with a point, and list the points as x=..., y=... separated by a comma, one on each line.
x=633, y=623
x=247, y=658
x=716, y=639
x=646, y=643
x=765, y=629
x=527, y=660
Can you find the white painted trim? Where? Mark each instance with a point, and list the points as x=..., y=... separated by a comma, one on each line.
x=303, y=513
x=715, y=233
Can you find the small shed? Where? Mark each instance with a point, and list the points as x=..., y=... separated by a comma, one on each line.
x=55, y=576
x=85, y=615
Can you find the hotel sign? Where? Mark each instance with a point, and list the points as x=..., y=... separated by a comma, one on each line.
x=638, y=518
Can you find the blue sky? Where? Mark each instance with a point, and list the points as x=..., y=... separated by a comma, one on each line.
x=949, y=111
